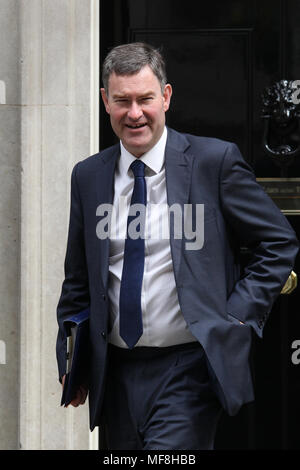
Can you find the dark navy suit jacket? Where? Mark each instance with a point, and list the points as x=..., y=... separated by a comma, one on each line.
x=214, y=294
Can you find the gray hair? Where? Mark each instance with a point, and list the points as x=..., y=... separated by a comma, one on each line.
x=129, y=59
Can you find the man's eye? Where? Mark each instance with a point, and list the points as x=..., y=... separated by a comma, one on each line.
x=145, y=100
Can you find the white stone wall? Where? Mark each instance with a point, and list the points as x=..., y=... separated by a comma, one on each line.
x=48, y=123
x=10, y=118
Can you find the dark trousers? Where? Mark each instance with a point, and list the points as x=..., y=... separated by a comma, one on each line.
x=159, y=399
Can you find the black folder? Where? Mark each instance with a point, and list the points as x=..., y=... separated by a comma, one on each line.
x=77, y=332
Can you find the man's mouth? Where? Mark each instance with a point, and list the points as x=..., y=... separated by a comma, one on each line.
x=136, y=126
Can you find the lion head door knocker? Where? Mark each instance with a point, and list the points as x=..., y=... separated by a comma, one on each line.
x=281, y=135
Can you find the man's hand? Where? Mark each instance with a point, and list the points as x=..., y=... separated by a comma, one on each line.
x=81, y=395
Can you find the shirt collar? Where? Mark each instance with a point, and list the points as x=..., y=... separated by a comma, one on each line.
x=153, y=159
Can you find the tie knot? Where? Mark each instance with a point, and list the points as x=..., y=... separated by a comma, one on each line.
x=138, y=168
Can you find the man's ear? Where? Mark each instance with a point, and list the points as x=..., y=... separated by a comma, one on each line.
x=105, y=99
x=167, y=96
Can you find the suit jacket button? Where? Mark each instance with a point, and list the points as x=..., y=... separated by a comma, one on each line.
x=103, y=296
x=103, y=334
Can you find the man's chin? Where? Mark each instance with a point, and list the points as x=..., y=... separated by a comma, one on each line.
x=137, y=148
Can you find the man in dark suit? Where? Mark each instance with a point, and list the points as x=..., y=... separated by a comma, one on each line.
x=170, y=316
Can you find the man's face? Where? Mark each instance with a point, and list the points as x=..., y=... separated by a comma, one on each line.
x=137, y=109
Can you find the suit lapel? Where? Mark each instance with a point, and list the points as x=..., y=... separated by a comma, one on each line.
x=105, y=195
x=179, y=165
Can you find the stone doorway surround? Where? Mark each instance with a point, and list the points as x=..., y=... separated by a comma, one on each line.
x=49, y=116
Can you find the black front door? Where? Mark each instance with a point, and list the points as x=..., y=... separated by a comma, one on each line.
x=221, y=56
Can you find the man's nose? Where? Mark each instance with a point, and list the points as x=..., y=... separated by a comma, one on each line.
x=135, y=112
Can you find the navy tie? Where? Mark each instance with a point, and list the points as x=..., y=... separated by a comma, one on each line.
x=131, y=324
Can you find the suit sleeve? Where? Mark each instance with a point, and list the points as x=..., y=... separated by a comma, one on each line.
x=75, y=288
x=259, y=225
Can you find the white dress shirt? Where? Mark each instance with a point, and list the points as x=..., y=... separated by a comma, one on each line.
x=163, y=322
